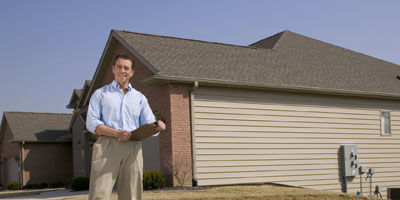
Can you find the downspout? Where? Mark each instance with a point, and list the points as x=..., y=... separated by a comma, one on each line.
x=22, y=163
x=194, y=170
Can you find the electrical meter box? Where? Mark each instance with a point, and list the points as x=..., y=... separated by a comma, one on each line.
x=349, y=160
x=362, y=169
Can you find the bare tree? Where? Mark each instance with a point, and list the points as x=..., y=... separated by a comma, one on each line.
x=179, y=169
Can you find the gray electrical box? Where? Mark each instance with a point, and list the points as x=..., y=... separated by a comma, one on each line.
x=349, y=160
x=362, y=169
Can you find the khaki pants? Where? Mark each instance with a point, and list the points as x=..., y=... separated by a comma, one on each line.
x=115, y=161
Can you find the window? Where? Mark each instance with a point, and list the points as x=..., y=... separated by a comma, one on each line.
x=385, y=123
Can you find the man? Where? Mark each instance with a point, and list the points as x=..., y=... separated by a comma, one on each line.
x=114, y=111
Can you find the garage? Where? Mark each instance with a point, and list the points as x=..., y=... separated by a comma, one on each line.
x=39, y=139
x=259, y=136
x=275, y=111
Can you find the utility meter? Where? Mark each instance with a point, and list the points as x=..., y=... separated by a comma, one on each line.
x=349, y=160
x=371, y=171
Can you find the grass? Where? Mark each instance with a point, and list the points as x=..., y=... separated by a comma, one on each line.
x=254, y=192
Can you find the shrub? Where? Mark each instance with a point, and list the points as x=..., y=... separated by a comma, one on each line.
x=44, y=185
x=28, y=186
x=56, y=185
x=67, y=184
x=80, y=183
x=36, y=186
x=153, y=179
x=13, y=186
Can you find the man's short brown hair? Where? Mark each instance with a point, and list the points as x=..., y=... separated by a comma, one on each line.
x=125, y=57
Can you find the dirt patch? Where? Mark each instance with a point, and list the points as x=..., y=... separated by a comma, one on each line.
x=258, y=192
x=253, y=192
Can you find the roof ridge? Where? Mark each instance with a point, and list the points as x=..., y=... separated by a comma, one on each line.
x=284, y=33
x=272, y=37
x=194, y=40
x=337, y=46
x=36, y=113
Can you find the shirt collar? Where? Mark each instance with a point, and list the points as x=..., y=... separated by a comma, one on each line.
x=115, y=84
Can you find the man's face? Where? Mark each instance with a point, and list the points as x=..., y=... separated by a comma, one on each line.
x=122, y=70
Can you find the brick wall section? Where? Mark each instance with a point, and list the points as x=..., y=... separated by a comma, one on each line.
x=180, y=129
x=47, y=162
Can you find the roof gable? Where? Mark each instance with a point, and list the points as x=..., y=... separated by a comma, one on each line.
x=269, y=42
x=37, y=127
x=315, y=63
x=192, y=58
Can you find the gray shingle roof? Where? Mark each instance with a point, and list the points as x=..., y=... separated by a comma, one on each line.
x=74, y=98
x=286, y=60
x=37, y=127
x=77, y=95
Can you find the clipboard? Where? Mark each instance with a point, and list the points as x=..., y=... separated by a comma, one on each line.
x=143, y=132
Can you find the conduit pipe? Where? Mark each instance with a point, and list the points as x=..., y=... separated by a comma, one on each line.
x=193, y=137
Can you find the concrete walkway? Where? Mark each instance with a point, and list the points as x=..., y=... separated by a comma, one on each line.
x=62, y=193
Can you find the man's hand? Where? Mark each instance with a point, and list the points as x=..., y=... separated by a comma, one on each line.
x=123, y=136
x=160, y=126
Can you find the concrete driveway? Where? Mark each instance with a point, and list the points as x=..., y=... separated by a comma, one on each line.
x=63, y=193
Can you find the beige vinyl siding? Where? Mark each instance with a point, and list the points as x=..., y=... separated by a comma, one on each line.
x=256, y=136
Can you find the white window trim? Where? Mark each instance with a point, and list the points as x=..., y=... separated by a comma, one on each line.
x=382, y=124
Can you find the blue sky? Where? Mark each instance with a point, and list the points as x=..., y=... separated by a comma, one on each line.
x=50, y=47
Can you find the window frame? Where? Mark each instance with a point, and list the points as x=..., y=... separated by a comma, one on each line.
x=389, y=119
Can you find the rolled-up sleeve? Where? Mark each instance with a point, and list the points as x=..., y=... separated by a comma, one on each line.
x=146, y=115
x=93, y=118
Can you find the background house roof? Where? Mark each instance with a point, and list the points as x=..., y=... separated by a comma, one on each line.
x=37, y=127
x=286, y=60
x=76, y=103
x=74, y=98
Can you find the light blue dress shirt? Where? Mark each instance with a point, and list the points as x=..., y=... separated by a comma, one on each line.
x=111, y=107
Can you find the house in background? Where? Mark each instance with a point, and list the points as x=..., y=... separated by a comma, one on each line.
x=81, y=138
x=34, y=148
x=275, y=111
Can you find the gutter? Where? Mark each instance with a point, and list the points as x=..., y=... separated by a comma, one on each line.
x=161, y=79
x=193, y=136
